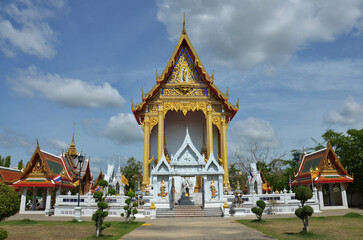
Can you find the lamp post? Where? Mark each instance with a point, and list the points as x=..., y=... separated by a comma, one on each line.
x=312, y=180
x=80, y=160
x=78, y=209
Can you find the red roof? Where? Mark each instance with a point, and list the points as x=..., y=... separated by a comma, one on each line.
x=326, y=168
x=9, y=175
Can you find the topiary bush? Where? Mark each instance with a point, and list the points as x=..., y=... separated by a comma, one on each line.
x=259, y=209
x=101, y=212
x=130, y=208
x=303, y=194
x=9, y=205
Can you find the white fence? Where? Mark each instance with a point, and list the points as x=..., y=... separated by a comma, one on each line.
x=281, y=203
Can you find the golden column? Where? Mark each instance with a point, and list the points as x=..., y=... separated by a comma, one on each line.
x=146, y=177
x=209, y=131
x=224, y=150
x=160, y=133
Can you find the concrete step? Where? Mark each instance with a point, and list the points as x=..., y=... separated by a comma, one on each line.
x=188, y=211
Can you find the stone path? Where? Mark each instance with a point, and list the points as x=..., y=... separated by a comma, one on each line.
x=190, y=228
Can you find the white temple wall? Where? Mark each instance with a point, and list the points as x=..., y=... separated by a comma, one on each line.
x=154, y=142
x=215, y=142
x=175, y=125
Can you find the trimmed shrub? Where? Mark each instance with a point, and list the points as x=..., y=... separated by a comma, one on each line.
x=304, y=212
x=259, y=209
x=9, y=205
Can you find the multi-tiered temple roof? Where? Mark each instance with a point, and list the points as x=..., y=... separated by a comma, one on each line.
x=323, y=166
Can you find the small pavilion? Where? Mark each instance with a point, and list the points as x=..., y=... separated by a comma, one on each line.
x=323, y=170
x=42, y=172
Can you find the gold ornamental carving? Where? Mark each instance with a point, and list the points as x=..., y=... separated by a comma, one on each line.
x=153, y=121
x=185, y=107
x=217, y=121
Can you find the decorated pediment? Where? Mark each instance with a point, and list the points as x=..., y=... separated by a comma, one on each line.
x=187, y=154
x=162, y=168
x=212, y=166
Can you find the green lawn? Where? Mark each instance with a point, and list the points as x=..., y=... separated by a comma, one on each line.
x=38, y=230
x=349, y=226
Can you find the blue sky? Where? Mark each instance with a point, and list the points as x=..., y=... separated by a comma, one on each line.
x=296, y=66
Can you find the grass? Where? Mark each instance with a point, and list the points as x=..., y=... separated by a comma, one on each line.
x=29, y=229
x=334, y=227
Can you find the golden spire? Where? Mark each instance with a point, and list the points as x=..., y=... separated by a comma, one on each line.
x=72, y=148
x=184, y=32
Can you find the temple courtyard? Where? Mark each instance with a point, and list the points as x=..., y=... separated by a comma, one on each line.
x=284, y=226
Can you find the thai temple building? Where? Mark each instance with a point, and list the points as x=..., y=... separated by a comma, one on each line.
x=185, y=119
x=323, y=170
x=48, y=172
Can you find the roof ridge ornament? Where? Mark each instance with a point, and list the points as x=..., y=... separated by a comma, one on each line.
x=184, y=31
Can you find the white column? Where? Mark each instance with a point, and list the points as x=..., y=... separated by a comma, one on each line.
x=48, y=202
x=344, y=195
x=34, y=203
x=220, y=187
x=23, y=200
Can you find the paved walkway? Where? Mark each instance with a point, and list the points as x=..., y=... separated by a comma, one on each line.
x=189, y=228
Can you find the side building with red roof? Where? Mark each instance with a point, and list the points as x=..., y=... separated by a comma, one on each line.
x=46, y=173
x=9, y=175
x=323, y=170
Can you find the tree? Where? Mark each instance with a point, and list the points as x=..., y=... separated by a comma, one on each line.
x=9, y=205
x=132, y=172
x=7, y=161
x=303, y=194
x=20, y=165
x=101, y=212
x=1, y=161
x=130, y=207
x=236, y=175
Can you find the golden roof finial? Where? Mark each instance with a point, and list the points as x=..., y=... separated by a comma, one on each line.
x=142, y=93
x=227, y=93
x=157, y=75
x=132, y=104
x=184, y=32
x=37, y=143
x=237, y=103
x=72, y=147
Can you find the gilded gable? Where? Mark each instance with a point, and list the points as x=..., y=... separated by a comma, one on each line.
x=184, y=70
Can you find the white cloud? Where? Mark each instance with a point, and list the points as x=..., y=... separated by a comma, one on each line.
x=23, y=27
x=248, y=33
x=57, y=144
x=351, y=114
x=123, y=129
x=66, y=91
x=246, y=133
x=10, y=139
